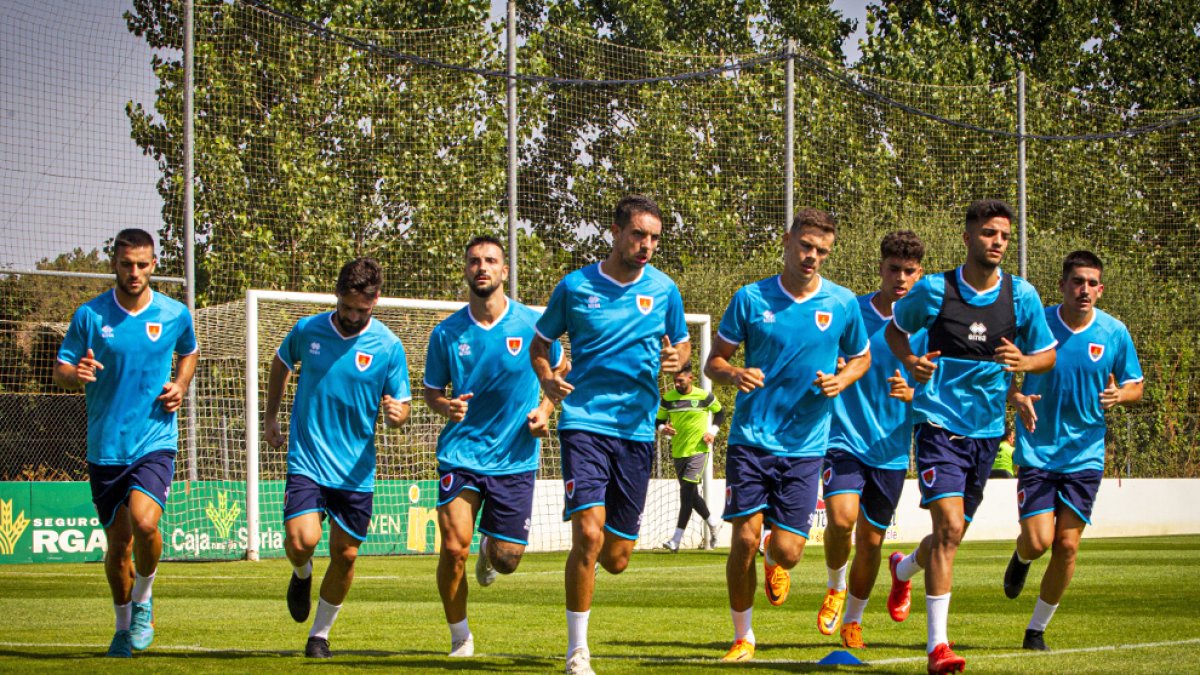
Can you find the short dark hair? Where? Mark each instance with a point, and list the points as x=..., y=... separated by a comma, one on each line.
x=814, y=218
x=685, y=368
x=483, y=239
x=361, y=275
x=132, y=237
x=1080, y=259
x=902, y=244
x=982, y=210
x=630, y=206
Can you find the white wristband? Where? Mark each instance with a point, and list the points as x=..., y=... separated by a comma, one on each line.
x=714, y=429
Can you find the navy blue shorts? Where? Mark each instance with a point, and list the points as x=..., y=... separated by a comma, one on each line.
x=507, y=501
x=949, y=465
x=878, y=489
x=349, y=509
x=150, y=474
x=784, y=487
x=1037, y=491
x=606, y=471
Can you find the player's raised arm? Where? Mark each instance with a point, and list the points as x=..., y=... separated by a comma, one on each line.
x=553, y=383
x=74, y=376
x=720, y=370
x=833, y=384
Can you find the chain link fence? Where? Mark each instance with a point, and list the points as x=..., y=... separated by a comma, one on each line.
x=315, y=144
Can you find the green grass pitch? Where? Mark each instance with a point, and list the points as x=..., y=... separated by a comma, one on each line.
x=1134, y=606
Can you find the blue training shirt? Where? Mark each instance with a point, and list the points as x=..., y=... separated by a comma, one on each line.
x=968, y=397
x=1069, y=434
x=789, y=341
x=616, y=334
x=867, y=422
x=492, y=364
x=342, y=379
x=125, y=419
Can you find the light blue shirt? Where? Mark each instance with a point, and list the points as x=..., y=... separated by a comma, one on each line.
x=125, y=419
x=968, y=397
x=1069, y=435
x=342, y=380
x=789, y=341
x=867, y=422
x=616, y=335
x=492, y=364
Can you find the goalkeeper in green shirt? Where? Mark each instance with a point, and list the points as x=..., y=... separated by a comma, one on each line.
x=691, y=417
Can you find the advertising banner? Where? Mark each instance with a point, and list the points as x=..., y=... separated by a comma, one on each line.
x=56, y=521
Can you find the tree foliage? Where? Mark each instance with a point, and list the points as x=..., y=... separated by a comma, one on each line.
x=312, y=150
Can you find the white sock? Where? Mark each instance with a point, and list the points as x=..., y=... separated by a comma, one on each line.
x=678, y=536
x=854, y=609
x=837, y=578
x=326, y=614
x=124, y=615
x=714, y=522
x=1042, y=613
x=459, y=631
x=766, y=547
x=304, y=571
x=577, y=625
x=742, y=629
x=908, y=567
x=141, y=586
x=937, y=610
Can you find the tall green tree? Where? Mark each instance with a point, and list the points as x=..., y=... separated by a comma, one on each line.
x=311, y=150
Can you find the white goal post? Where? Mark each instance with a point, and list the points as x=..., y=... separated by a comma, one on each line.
x=412, y=319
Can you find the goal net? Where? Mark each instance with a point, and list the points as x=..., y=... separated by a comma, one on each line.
x=236, y=508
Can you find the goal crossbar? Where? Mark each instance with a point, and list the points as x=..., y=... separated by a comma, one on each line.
x=253, y=410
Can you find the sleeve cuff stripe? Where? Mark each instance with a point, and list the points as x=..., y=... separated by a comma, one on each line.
x=1052, y=345
x=732, y=342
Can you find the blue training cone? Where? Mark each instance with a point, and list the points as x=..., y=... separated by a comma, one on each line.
x=840, y=657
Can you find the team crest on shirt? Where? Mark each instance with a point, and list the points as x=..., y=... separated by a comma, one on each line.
x=928, y=476
x=447, y=481
x=514, y=344
x=362, y=360
x=827, y=475
x=823, y=319
x=570, y=488
x=645, y=303
x=1021, y=498
x=153, y=331
x=1095, y=351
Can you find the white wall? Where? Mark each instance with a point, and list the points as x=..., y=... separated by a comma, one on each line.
x=1124, y=508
